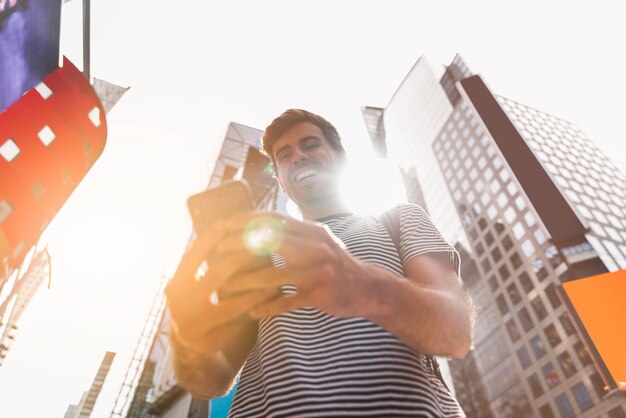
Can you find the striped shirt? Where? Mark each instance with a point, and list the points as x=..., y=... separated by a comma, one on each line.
x=306, y=363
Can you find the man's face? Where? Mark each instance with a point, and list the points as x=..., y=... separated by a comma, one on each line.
x=308, y=167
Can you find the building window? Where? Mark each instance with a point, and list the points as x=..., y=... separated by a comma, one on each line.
x=516, y=261
x=507, y=243
x=9, y=150
x=539, y=236
x=5, y=210
x=512, y=329
x=538, y=347
x=489, y=238
x=43, y=90
x=524, y=278
x=524, y=357
x=546, y=412
x=513, y=293
x=524, y=317
x=535, y=385
x=496, y=254
x=567, y=364
x=566, y=322
x=486, y=265
x=582, y=353
x=502, y=306
x=598, y=385
x=550, y=375
x=552, y=296
x=582, y=396
x=493, y=283
x=527, y=248
x=509, y=215
x=538, y=307
x=617, y=412
x=520, y=203
x=518, y=230
x=479, y=249
x=552, y=335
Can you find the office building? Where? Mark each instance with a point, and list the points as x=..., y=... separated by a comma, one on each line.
x=155, y=392
x=533, y=203
x=88, y=400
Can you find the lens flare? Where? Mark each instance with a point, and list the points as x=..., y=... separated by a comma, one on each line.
x=263, y=235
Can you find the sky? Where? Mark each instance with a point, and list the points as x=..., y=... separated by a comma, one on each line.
x=195, y=66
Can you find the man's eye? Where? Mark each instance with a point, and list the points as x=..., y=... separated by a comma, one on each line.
x=283, y=156
x=312, y=146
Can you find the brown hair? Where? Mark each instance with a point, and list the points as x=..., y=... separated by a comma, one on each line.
x=290, y=118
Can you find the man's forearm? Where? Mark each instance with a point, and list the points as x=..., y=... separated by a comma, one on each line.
x=430, y=321
x=209, y=371
x=204, y=374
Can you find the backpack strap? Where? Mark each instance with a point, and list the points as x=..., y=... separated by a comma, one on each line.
x=390, y=219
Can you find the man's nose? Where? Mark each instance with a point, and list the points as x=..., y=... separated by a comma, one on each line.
x=300, y=154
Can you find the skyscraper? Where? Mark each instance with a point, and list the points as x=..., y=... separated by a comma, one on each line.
x=88, y=400
x=509, y=212
x=156, y=391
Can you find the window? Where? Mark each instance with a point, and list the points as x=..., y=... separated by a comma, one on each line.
x=598, y=385
x=509, y=215
x=567, y=364
x=493, y=283
x=513, y=293
x=550, y=375
x=538, y=307
x=496, y=254
x=539, y=236
x=552, y=296
x=566, y=322
x=582, y=396
x=519, y=202
x=617, y=412
x=486, y=265
x=517, y=261
x=5, y=210
x=535, y=385
x=524, y=357
x=502, y=306
x=546, y=412
x=525, y=319
x=489, y=238
x=527, y=248
x=538, y=347
x=518, y=230
x=552, y=335
x=502, y=200
x=9, y=150
x=582, y=353
x=479, y=249
x=512, y=329
x=507, y=243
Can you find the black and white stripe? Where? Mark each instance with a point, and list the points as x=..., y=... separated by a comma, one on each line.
x=307, y=363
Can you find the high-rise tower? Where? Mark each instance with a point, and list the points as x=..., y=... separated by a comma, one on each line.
x=516, y=191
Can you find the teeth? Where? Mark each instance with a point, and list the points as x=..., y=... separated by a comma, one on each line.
x=305, y=173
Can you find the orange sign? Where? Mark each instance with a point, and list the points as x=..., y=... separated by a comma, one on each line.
x=600, y=302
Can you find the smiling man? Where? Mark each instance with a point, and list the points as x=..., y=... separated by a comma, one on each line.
x=351, y=332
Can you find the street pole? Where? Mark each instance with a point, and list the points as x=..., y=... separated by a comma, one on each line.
x=87, y=39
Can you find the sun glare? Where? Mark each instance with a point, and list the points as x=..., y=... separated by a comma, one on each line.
x=371, y=185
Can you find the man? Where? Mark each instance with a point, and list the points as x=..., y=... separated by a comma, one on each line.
x=350, y=336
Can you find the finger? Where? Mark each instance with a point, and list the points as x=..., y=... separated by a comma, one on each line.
x=278, y=306
x=219, y=270
x=234, y=306
x=263, y=278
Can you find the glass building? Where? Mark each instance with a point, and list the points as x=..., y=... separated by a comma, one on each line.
x=527, y=359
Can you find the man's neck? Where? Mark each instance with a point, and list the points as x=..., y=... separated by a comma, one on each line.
x=322, y=208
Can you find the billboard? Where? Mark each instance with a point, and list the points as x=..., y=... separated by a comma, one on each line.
x=29, y=45
x=599, y=303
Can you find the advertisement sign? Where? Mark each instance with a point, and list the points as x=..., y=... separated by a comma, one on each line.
x=29, y=45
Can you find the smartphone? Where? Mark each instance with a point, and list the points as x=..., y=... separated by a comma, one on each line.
x=220, y=202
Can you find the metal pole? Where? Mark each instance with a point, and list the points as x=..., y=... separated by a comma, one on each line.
x=87, y=39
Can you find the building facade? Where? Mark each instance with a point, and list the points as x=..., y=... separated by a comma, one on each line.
x=527, y=359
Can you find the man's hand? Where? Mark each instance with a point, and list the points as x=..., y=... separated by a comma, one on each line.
x=325, y=275
x=196, y=317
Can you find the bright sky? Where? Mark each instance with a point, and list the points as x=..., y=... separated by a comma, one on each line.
x=195, y=66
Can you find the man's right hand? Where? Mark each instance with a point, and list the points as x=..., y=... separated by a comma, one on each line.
x=196, y=319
